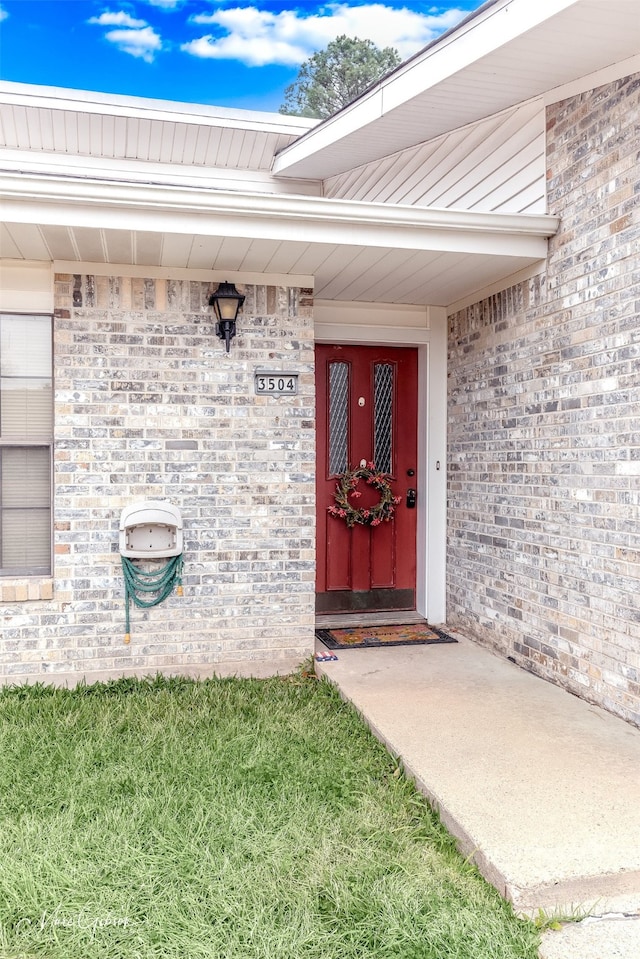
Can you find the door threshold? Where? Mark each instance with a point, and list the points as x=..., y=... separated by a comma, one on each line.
x=395, y=617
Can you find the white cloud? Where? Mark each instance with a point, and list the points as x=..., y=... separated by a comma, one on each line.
x=3, y=14
x=139, y=43
x=258, y=37
x=165, y=4
x=117, y=19
x=256, y=52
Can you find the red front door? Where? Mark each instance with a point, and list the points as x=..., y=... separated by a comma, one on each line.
x=366, y=412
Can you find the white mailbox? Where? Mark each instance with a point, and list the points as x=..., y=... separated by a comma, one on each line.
x=150, y=529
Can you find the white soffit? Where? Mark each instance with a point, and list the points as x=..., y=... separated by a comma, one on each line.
x=50, y=120
x=354, y=250
x=507, y=53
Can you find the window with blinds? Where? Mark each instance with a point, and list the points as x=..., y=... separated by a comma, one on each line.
x=26, y=430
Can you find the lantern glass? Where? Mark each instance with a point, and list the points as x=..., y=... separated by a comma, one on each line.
x=227, y=308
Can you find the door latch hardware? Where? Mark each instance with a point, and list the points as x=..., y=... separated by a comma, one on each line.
x=411, y=499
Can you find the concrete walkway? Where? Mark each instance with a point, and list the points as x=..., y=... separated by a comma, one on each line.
x=542, y=789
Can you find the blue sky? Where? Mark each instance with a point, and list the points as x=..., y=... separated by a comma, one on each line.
x=220, y=52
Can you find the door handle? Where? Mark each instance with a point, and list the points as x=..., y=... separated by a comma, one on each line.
x=411, y=498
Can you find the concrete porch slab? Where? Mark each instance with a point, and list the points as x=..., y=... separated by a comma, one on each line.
x=610, y=939
x=541, y=788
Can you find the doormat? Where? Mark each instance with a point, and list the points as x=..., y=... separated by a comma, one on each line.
x=359, y=637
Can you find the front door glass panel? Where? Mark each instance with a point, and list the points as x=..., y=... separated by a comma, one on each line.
x=338, y=418
x=383, y=417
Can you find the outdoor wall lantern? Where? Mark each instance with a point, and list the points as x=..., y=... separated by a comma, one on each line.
x=226, y=302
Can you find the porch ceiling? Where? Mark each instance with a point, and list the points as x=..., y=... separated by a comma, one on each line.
x=344, y=250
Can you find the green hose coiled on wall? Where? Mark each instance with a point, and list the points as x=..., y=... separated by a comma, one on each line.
x=160, y=581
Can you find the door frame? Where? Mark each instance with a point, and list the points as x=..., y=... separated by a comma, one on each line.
x=426, y=329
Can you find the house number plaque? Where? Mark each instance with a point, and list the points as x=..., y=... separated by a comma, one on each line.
x=275, y=383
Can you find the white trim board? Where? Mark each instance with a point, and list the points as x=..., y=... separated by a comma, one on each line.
x=26, y=286
x=302, y=281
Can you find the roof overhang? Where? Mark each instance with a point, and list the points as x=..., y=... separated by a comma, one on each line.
x=38, y=121
x=94, y=103
x=507, y=52
x=346, y=250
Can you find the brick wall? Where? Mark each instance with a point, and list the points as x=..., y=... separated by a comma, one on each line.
x=544, y=426
x=148, y=406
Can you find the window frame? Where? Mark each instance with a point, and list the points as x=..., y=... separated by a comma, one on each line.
x=43, y=442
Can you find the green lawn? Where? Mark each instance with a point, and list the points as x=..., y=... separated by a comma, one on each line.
x=231, y=818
